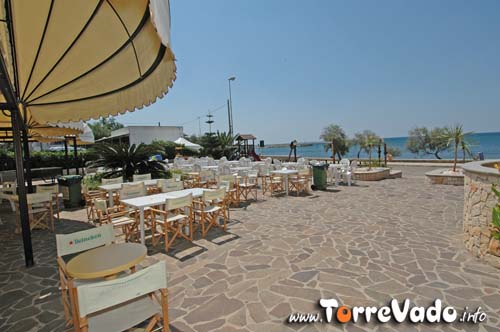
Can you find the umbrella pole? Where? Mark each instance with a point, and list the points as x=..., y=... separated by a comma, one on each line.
x=23, y=201
x=66, y=154
x=27, y=160
x=75, y=152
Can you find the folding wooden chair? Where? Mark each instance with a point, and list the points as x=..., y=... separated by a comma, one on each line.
x=118, y=216
x=40, y=212
x=211, y=207
x=276, y=184
x=123, y=303
x=141, y=177
x=247, y=186
x=133, y=190
x=89, y=197
x=300, y=182
x=171, y=185
x=52, y=189
x=232, y=194
x=118, y=180
x=70, y=244
x=170, y=222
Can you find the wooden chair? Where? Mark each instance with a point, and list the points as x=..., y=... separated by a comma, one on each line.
x=232, y=194
x=171, y=185
x=40, y=211
x=207, y=179
x=52, y=189
x=89, y=197
x=276, y=184
x=170, y=222
x=133, y=190
x=123, y=303
x=211, y=207
x=247, y=186
x=8, y=190
x=300, y=182
x=118, y=216
x=141, y=177
x=118, y=180
x=70, y=244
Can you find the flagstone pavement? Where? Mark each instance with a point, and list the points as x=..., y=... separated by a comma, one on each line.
x=361, y=245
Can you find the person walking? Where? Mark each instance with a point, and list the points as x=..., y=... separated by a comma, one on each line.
x=293, y=148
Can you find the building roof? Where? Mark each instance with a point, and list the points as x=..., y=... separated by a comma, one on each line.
x=240, y=137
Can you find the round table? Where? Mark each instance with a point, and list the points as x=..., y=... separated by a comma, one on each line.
x=106, y=262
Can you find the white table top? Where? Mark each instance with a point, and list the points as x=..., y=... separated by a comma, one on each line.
x=157, y=199
x=285, y=171
x=118, y=186
x=241, y=168
x=210, y=167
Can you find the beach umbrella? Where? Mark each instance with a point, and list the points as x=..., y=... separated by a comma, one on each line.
x=75, y=60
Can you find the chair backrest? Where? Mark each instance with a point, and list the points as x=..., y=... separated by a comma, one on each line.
x=73, y=243
x=102, y=295
x=101, y=204
x=141, y=177
x=207, y=175
x=51, y=189
x=37, y=198
x=132, y=190
x=345, y=162
x=9, y=186
x=112, y=180
x=226, y=178
x=197, y=168
x=214, y=195
x=172, y=185
x=179, y=202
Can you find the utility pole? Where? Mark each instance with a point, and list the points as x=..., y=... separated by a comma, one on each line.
x=230, y=79
x=199, y=126
x=230, y=120
x=209, y=121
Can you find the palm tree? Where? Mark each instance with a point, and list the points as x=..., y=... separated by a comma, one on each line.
x=456, y=137
x=369, y=143
x=124, y=160
x=226, y=141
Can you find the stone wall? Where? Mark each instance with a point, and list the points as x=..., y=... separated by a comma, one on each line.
x=375, y=174
x=479, y=201
x=434, y=177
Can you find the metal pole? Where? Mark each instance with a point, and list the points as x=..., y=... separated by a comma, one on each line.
x=231, y=104
x=75, y=152
x=66, y=157
x=385, y=155
x=27, y=160
x=229, y=117
x=21, y=189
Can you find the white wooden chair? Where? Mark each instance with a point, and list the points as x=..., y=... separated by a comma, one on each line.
x=141, y=177
x=70, y=244
x=7, y=191
x=170, y=185
x=247, y=185
x=40, y=211
x=228, y=182
x=56, y=196
x=118, y=216
x=170, y=222
x=300, y=182
x=117, y=180
x=123, y=303
x=211, y=207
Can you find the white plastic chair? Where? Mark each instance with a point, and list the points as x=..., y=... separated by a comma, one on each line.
x=345, y=171
x=123, y=303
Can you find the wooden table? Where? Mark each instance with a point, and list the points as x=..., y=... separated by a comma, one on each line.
x=106, y=262
x=143, y=202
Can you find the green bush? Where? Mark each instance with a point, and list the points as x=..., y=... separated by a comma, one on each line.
x=43, y=159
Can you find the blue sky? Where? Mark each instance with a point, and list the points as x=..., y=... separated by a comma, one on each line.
x=386, y=65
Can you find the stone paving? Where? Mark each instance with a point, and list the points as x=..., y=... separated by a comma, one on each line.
x=362, y=245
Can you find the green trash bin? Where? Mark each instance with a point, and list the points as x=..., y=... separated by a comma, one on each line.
x=319, y=176
x=71, y=188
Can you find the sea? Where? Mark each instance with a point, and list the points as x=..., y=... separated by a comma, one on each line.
x=487, y=143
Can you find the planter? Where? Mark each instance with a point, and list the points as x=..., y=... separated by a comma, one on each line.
x=479, y=201
x=375, y=174
x=444, y=176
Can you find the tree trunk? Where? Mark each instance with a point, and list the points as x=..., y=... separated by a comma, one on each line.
x=436, y=154
x=455, y=158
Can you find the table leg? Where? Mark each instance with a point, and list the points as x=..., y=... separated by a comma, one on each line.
x=111, y=201
x=286, y=184
x=141, y=215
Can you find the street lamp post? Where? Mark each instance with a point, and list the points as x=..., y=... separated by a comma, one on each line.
x=230, y=109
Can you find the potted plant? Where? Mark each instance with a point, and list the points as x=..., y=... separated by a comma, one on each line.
x=495, y=226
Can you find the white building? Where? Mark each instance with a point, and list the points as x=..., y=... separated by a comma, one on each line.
x=144, y=134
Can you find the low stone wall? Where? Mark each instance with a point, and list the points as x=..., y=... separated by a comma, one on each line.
x=376, y=174
x=479, y=201
x=435, y=177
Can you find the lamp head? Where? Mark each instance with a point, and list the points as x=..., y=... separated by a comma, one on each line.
x=232, y=78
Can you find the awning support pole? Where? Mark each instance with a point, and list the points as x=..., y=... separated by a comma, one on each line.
x=27, y=160
x=75, y=151
x=21, y=189
x=66, y=154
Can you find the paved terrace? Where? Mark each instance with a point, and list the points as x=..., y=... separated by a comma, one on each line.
x=362, y=245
